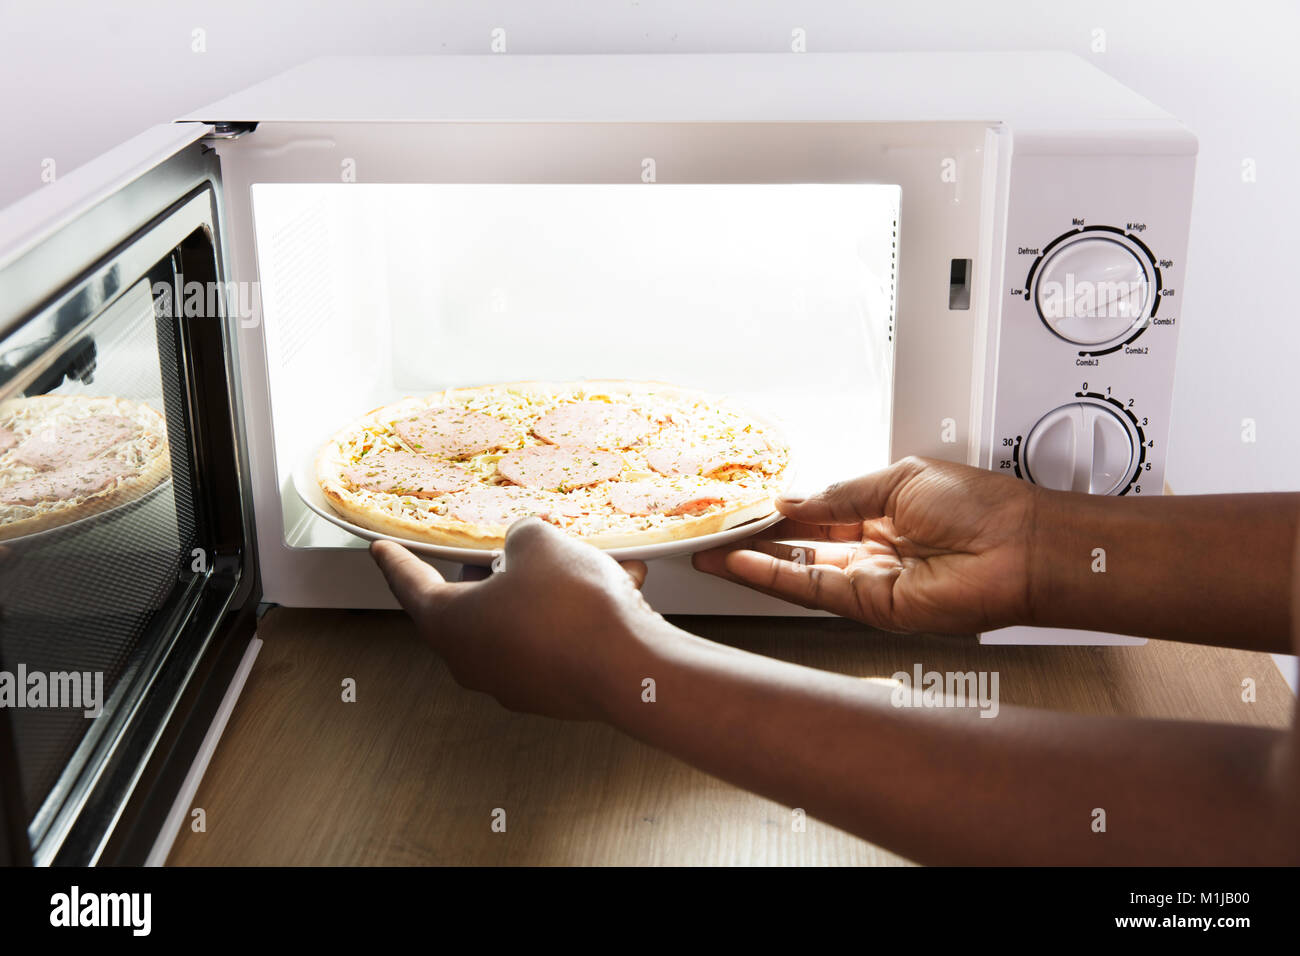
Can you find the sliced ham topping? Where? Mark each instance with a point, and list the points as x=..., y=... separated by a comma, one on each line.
x=559, y=468
x=405, y=473
x=642, y=498
x=593, y=425
x=498, y=505
x=709, y=458
x=79, y=440
x=453, y=432
x=7, y=440
x=76, y=480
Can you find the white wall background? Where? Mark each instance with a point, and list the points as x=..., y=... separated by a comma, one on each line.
x=78, y=76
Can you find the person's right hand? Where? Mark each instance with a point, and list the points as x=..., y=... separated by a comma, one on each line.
x=923, y=545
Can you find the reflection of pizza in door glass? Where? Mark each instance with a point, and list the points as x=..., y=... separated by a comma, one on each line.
x=63, y=458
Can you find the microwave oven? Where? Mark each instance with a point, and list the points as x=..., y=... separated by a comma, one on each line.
x=977, y=257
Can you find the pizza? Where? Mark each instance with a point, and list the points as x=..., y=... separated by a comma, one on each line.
x=617, y=464
x=65, y=457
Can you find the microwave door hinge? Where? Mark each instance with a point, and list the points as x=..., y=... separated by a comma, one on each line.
x=224, y=131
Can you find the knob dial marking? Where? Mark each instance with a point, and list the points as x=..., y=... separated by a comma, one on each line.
x=1084, y=446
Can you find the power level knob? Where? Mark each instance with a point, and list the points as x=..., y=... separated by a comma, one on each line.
x=1083, y=446
x=1093, y=289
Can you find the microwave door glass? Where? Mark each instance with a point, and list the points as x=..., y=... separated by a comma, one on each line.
x=780, y=296
x=78, y=593
x=124, y=588
x=128, y=582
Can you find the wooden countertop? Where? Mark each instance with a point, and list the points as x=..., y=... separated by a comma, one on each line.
x=412, y=771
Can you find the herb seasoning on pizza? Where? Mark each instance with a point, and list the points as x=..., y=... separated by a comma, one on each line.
x=618, y=464
x=66, y=457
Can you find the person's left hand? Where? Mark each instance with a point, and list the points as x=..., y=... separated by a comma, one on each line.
x=550, y=634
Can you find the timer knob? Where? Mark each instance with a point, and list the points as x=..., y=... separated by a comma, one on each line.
x=1093, y=289
x=1083, y=446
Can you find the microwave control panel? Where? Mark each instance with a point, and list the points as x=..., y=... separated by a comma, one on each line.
x=1090, y=305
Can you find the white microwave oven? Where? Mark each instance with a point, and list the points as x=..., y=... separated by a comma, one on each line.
x=975, y=257
x=972, y=256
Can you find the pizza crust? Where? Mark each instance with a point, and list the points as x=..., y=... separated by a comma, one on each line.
x=445, y=531
x=155, y=471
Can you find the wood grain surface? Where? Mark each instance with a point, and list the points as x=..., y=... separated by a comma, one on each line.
x=412, y=772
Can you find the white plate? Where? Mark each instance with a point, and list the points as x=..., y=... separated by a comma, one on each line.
x=304, y=482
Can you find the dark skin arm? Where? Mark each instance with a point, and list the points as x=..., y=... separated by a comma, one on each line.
x=1208, y=569
x=932, y=546
x=563, y=632
x=944, y=786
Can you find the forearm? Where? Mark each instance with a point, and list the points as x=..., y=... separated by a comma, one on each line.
x=1205, y=569
x=947, y=786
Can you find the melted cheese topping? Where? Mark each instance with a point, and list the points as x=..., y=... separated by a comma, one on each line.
x=585, y=511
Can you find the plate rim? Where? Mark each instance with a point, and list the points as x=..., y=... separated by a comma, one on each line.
x=303, y=479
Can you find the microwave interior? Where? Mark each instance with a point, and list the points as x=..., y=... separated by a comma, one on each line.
x=780, y=296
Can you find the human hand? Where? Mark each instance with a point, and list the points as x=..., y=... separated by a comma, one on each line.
x=549, y=634
x=923, y=545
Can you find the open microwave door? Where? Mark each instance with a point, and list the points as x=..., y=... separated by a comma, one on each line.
x=122, y=619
